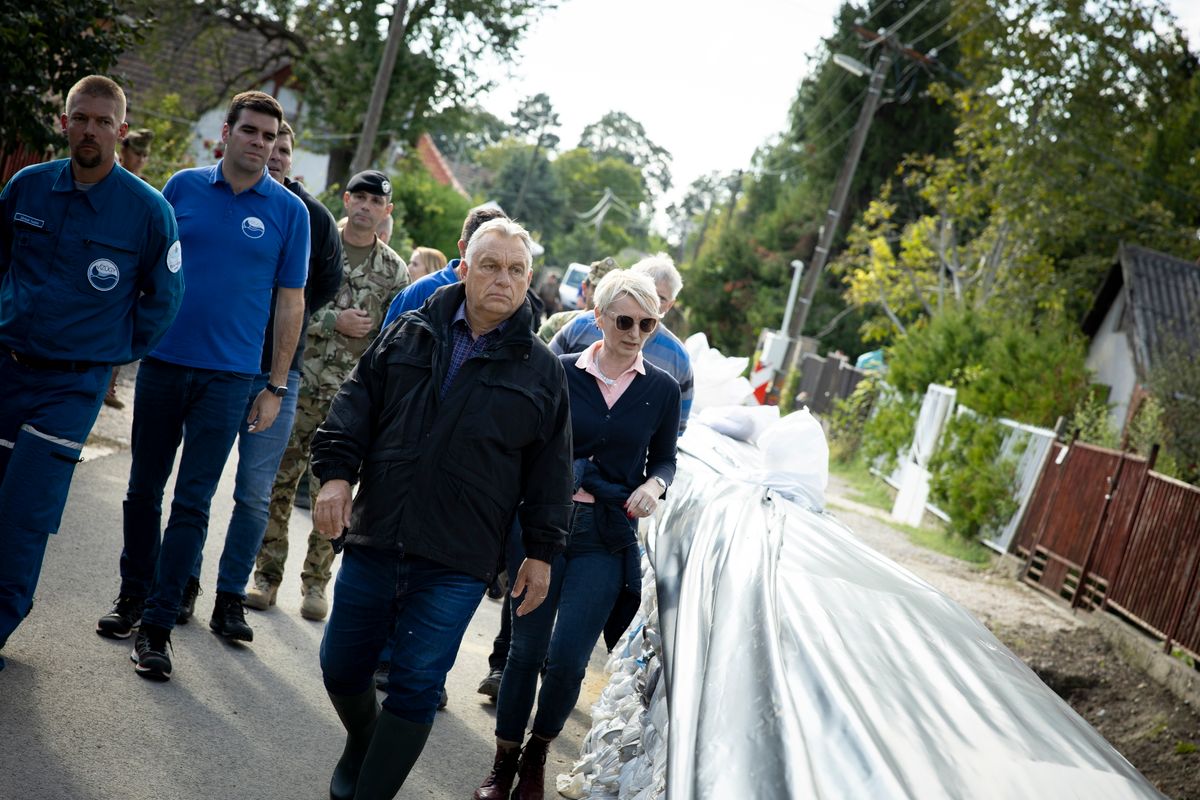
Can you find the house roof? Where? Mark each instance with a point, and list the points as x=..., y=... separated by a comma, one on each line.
x=1163, y=306
x=201, y=60
x=437, y=165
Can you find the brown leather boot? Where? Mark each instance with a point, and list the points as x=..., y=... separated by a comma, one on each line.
x=532, y=770
x=499, y=783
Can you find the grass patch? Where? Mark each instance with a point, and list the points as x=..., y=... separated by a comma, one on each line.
x=1185, y=748
x=866, y=488
x=947, y=544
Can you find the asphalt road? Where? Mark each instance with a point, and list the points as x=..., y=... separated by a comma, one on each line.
x=235, y=721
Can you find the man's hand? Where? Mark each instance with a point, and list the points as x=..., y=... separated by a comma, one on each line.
x=353, y=322
x=331, y=514
x=263, y=412
x=533, y=578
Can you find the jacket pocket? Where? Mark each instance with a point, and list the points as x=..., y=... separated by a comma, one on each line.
x=104, y=269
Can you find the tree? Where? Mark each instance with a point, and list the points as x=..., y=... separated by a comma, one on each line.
x=603, y=195
x=430, y=214
x=534, y=120
x=617, y=135
x=336, y=46
x=48, y=46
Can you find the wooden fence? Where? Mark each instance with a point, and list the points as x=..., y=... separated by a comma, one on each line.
x=1104, y=530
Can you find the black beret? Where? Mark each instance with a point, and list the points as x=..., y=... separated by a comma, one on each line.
x=371, y=181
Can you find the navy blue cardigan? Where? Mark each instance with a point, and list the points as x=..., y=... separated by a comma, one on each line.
x=635, y=439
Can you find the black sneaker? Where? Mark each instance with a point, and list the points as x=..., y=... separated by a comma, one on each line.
x=229, y=618
x=187, y=606
x=149, y=656
x=490, y=685
x=126, y=615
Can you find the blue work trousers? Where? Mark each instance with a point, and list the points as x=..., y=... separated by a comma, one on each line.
x=259, y=454
x=426, y=604
x=45, y=416
x=203, y=409
x=560, y=633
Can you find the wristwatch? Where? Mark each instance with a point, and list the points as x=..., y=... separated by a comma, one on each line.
x=661, y=482
x=278, y=391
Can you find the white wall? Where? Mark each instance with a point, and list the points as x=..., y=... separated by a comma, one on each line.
x=1111, y=359
x=307, y=166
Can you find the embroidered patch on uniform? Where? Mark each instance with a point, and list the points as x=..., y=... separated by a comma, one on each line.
x=103, y=275
x=174, y=258
x=28, y=220
x=253, y=227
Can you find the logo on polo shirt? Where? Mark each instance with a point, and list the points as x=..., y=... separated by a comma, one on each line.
x=174, y=258
x=253, y=227
x=103, y=275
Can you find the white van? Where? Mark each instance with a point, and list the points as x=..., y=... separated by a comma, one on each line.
x=569, y=291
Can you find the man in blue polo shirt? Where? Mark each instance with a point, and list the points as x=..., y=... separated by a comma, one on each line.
x=415, y=295
x=89, y=277
x=664, y=350
x=246, y=236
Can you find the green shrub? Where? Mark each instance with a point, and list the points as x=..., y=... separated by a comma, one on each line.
x=1090, y=418
x=969, y=481
x=848, y=418
x=787, y=393
x=889, y=429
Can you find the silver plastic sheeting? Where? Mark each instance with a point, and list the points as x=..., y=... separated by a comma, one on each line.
x=802, y=664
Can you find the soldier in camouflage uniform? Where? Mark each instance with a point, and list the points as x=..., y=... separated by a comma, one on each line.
x=557, y=322
x=337, y=335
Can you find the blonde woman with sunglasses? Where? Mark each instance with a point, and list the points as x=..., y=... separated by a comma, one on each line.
x=624, y=422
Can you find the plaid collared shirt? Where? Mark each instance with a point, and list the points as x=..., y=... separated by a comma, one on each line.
x=464, y=347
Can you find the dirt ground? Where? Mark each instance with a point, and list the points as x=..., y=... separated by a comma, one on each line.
x=1150, y=726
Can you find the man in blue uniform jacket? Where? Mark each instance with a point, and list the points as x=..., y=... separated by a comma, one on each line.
x=89, y=277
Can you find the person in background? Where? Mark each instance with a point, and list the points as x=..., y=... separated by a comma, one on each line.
x=385, y=228
x=453, y=421
x=424, y=261
x=90, y=276
x=624, y=424
x=259, y=452
x=135, y=154
x=338, y=336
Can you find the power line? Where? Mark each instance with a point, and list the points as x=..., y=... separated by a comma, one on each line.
x=988, y=12
x=893, y=29
x=938, y=26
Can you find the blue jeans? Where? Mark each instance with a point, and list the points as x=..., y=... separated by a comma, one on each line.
x=561, y=632
x=45, y=416
x=259, y=455
x=427, y=605
x=172, y=403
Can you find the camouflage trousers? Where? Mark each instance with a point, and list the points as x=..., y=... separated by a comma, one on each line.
x=318, y=563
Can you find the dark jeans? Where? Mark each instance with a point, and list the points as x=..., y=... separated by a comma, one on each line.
x=203, y=409
x=427, y=605
x=562, y=632
x=45, y=416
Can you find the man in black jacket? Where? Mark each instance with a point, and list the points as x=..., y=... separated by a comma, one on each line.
x=454, y=420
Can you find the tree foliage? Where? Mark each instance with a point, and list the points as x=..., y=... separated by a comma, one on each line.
x=48, y=46
x=335, y=48
x=1001, y=365
x=618, y=135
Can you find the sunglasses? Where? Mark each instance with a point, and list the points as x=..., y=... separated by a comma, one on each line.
x=624, y=323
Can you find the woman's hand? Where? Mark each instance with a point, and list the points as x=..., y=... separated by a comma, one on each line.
x=644, y=500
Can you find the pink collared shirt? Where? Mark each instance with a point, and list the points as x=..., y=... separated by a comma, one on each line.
x=611, y=394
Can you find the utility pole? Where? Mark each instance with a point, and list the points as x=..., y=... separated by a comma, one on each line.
x=383, y=80
x=520, y=201
x=838, y=205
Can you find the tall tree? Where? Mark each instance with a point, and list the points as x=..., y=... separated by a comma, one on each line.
x=618, y=135
x=48, y=46
x=335, y=47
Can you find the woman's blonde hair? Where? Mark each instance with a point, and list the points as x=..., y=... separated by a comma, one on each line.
x=627, y=283
x=429, y=259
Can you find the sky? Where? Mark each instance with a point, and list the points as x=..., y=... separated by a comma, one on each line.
x=709, y=81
